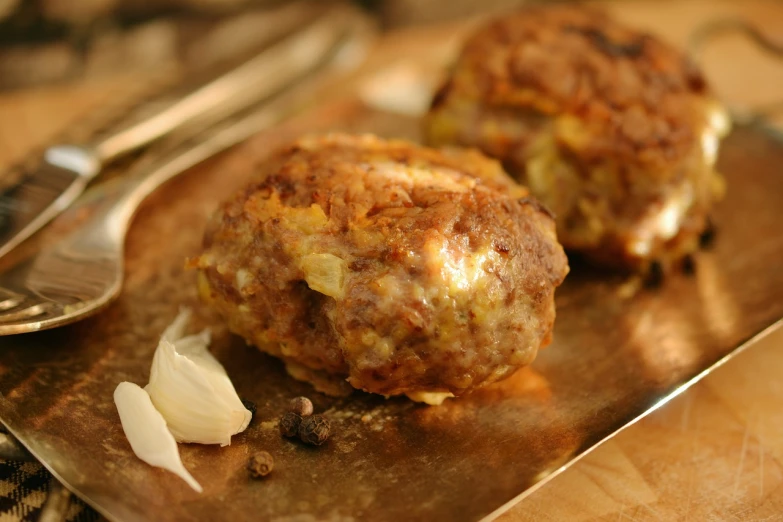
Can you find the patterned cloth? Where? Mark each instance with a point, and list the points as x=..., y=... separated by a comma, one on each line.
x=24, y=488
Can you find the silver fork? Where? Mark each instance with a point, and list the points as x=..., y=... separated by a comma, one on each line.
x=82, y=273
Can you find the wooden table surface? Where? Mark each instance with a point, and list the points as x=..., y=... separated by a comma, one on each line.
x=713, y=453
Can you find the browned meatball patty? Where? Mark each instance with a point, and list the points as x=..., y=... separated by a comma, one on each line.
x=400, y=268
x=612, y=129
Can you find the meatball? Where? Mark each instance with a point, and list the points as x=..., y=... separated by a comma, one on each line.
x=401, y=269
x=613, y=130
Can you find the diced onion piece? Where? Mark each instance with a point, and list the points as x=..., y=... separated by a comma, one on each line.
x=325, y=273
x=431, y=398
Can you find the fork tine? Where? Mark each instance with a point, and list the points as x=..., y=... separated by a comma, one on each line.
x=11, y=302
x=27, y=313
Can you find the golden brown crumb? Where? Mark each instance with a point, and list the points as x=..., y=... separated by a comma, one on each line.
x=400, y=268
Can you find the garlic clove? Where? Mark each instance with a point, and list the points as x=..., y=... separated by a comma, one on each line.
x=191, y=389
x=193, y=400
x=194, y=347
x=147, y=433
x=176, y=330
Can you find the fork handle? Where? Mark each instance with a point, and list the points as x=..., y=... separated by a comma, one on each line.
x=115, y=202
x=253, y=81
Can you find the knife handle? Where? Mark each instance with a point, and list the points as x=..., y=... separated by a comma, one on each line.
x=251, y=82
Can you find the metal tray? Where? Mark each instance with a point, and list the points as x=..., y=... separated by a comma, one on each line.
x=616, y=356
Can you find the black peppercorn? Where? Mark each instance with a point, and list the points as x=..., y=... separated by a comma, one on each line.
x=261, y=464
x=707, y=237
x=655, y=275
x=314, y=430
x=289, y=424
x=301, y=406
x=251, y=407
x=688, y=265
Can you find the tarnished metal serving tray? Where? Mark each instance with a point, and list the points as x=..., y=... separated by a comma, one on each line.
x=616, y=355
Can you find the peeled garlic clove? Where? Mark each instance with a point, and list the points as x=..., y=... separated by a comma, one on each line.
x=192, y=391
x=194, y=400
x=147, y=433
x=194, y=347
x=176, y=330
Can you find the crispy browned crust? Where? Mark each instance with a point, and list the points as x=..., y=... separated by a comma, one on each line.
x=449, y=266
x=631, y=88
x=614, y=117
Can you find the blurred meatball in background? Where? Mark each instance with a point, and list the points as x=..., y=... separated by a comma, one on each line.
x=611, y=128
